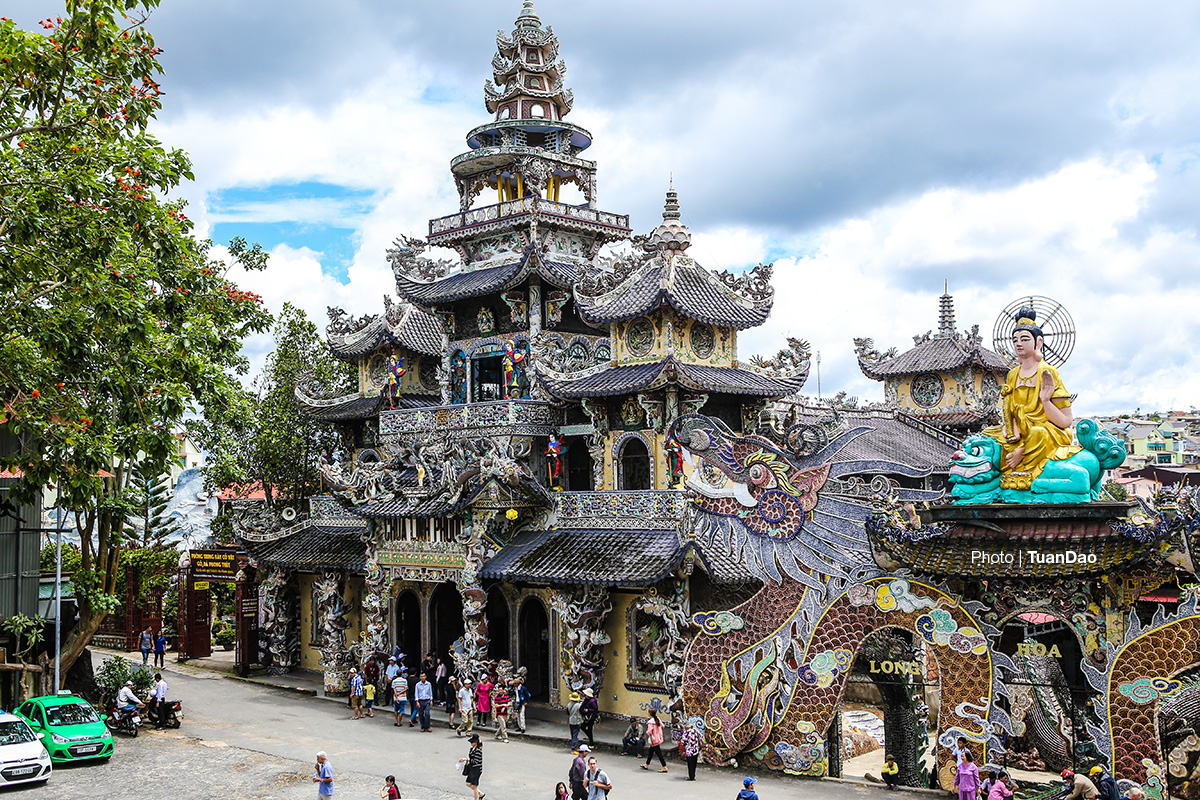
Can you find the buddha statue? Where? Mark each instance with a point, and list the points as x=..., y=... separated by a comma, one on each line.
x=1036, y=420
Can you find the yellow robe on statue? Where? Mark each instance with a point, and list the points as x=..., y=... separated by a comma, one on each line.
x=1023, y=413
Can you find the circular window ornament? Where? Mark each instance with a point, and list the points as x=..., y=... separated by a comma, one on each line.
x=639, y=336
x=927, y=390
x=703, y=339
x=377, y=370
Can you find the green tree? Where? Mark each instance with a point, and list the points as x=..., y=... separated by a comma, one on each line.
x=114, y=320
x=1116, y=491
x=276, y=446
x=150, y=526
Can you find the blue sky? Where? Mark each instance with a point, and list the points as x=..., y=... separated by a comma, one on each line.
x=874, y=150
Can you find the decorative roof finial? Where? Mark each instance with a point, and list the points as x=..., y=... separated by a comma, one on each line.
x=528, y=17
x=946, y=314
x=671, y=234
x=671, y=207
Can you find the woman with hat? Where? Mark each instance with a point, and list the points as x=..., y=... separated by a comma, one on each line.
x=590, y=711
x=474, y=767
x=575, y=718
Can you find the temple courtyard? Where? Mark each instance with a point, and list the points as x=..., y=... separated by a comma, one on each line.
x=245, y=740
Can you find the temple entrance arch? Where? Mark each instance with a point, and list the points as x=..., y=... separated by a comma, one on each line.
x=885, y=709
x=634, y=467
x=533, y=642
x=1048, y=696
x=445, y=619
x=408, y=628
x=497, y=625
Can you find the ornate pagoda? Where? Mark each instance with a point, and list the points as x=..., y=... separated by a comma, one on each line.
x=507, y=493
x=948, y=379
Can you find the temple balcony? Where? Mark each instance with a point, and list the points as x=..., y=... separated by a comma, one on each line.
x=644, y=510
x=444, y=230
x=497, y=418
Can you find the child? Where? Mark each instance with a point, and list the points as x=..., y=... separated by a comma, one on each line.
x=369, y=691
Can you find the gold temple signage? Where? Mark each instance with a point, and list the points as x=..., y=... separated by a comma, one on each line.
x=896, y=668
x=220, y=565
x=437, y=559
x=1038, y=649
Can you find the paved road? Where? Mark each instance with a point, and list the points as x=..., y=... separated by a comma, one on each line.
x=241, y=740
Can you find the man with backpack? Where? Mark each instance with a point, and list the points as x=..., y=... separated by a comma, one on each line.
x=596, y=782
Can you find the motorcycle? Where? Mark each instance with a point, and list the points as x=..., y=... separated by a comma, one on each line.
x=170, y=712
x=124, y=720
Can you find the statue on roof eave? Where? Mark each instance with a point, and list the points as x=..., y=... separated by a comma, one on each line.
x=1030, y=457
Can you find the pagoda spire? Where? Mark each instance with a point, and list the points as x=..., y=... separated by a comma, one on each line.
x=528, y=17
x=946, y=327
x=672, y=234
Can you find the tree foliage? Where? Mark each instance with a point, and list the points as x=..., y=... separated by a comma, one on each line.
x=149, y=525
x=276, y=446
x=114, y=321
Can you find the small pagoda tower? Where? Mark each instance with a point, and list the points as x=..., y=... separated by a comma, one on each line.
x=948, y=379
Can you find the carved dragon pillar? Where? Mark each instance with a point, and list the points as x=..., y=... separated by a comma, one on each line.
x=470, y=652
x=598, y=440
x=535, y=309
x=280, y=623
x=667, y=650
x=373, y=642
x=583, y=613
x=332, y=609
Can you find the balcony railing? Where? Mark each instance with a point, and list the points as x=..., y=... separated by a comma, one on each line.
x=526, y=205
x=518, y=417
x=653, y=509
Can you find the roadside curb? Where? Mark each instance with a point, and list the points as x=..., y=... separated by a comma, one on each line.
x=268, y=685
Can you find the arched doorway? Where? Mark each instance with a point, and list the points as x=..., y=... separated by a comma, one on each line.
x=497, y=625
x=408, y=628
x=533, y=627
x=635, y=465
x=445, y=620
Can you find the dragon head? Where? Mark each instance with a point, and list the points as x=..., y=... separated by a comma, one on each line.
x=977, y=462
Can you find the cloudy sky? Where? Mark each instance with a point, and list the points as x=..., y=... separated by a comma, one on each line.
x=873, y=150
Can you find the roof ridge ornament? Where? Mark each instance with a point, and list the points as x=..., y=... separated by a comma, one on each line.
x=408, y=263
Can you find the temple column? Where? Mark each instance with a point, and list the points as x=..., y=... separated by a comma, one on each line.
x=535, y=309
x=583, y=613
x=331, y=609
x=470, y=652
x=375, y=599
x=279, y=609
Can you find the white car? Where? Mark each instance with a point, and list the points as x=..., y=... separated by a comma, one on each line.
x=23, y=758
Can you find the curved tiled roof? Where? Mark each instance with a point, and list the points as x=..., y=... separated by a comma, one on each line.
x=681, y=283
x=636, y=377
x=356, y=406
x=620, y=557
x=414, y=330
x=894, y=437
x=938, y=354
x=314, y=547
x=461, y=285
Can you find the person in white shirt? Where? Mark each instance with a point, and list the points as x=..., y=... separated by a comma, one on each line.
x=158, y=707
x=126, y=698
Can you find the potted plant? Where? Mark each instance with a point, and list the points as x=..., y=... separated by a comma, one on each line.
x=224, y=635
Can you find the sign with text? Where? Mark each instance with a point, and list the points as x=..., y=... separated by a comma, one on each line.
x=219, y=565
x=200, y=586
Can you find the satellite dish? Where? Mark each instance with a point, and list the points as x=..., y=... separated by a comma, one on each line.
x=1058, y=329
x=288, y=514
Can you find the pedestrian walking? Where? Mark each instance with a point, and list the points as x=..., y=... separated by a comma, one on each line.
x=369, y=696
x=146, y=643
x=323, y=775
x=389, y=675
x=160, y=650
x=597, y=781
x=466, y=707
x=474, y=767
x=356, y=693
x=590, y=712
x=452, y=698
x=399, y=697
x=439, y=682
x=747, y=792
x=655, y=732
x=423, y=695
x=483, y=700
x=689, y=747
x=389, y=791
x=574, y=718
x=501, y=703
x=967, y=779
x=521, y=698
x=577, y=773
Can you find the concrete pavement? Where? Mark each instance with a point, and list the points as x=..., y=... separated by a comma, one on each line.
x=264, y=740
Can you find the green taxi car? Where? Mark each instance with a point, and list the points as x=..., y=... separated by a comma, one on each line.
x=73, y=730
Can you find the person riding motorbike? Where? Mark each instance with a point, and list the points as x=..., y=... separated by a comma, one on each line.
x=127, y=700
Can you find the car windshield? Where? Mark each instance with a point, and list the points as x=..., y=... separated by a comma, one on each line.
x=15, y=732
x=73, y=714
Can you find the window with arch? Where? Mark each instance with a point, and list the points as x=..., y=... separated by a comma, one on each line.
x=537, y=111
x=505, y=112
x=635, y=473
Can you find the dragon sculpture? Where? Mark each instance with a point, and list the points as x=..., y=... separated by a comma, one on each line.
x=280, y=631
x=767, y=676
x=583, y=613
